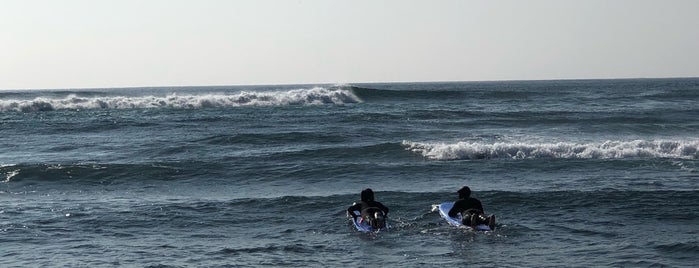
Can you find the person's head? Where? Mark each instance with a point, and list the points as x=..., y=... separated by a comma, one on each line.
x=464, y=192
x=367, y=195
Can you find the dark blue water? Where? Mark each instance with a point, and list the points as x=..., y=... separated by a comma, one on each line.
x=580, y=173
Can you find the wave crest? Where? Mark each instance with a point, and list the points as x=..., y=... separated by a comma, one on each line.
x=563, y=150
x=313, y=96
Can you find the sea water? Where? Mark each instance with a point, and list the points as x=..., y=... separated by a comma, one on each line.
x=580, y=173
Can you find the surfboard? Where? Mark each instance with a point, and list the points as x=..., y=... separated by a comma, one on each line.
x=362, y=226
x=444, y=213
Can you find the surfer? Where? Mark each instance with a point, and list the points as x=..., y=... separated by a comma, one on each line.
x=371, y=211
x=471, y=210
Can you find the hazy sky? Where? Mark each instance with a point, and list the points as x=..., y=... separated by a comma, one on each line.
x=104, y=43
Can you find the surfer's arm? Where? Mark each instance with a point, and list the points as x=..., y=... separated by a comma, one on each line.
x=479, y=205
x=456, y=209
x=353, y=208
x=452, y=213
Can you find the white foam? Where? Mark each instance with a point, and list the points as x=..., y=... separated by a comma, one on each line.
x=10, y=174
x=565, y=150
x=313, y=96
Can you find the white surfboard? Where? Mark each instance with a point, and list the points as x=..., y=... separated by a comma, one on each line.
x=456, y=221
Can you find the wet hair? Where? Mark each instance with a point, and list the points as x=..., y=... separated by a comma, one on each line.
x=464, y=192
x=367, y=195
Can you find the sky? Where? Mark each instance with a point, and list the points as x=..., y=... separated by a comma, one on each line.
x=129, y=43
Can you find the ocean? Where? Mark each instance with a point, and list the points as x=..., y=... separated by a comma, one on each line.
x=580, y=173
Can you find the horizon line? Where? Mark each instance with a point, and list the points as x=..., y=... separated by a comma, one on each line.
x=340, y=83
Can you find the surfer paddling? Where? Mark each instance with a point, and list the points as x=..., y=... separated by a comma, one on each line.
x=471, y=210
x=371, y=211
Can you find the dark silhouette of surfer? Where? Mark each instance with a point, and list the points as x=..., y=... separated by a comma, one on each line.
x=471, y=209
x=371, y=211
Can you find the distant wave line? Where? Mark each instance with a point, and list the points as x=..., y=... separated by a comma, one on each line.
x=312, y=96
x=560, y=150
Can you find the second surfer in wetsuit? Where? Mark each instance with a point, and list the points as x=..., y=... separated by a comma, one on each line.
x=371, y=211
x=471, y=210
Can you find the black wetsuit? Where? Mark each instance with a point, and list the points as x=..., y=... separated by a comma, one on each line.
x=471, y=205
x=367, y=208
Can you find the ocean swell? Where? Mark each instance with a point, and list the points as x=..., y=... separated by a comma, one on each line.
x=562, y=150
x=312, y=96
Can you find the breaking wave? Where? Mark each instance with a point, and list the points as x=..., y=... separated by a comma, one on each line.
x=562, y=150
x=313, y=96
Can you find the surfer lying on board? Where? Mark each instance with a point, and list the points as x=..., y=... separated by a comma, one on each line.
x=471, y=210
x=373, y=212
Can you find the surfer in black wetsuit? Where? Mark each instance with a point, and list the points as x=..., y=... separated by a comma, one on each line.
x=471, y=210
x=370, y=210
